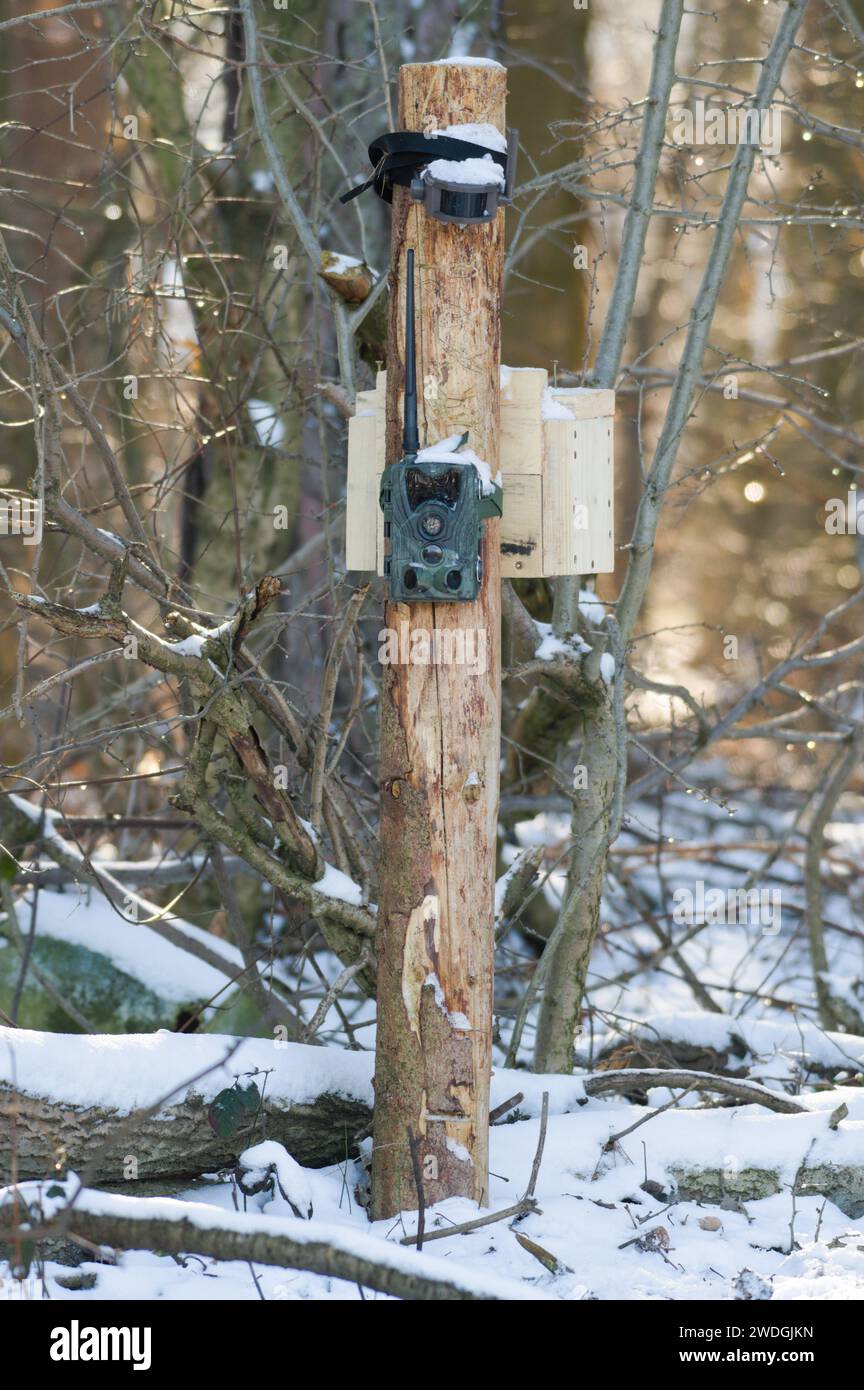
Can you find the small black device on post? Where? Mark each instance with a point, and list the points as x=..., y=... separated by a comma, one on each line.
x=448, y=193
x=447, y=197
x=434, y=503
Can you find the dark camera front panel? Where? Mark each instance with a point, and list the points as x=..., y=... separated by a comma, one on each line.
x=422, y=486
x=433, y=529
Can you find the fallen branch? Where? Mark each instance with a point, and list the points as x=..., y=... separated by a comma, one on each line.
x=728, y=1046
x=501, y=1110
x=60, y=1103
x=606, y=1083
x=193, y=1228
x=523, y=1207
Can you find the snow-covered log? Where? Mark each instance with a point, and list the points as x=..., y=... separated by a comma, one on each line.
x=95, y=1102
x=193, y=1228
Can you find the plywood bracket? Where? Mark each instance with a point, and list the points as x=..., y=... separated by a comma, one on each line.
x=557, y=472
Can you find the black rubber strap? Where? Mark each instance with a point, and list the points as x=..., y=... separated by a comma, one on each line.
x=397, y=156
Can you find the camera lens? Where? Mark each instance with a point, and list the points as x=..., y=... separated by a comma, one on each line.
x=432, y=525
x=433, y=554
x=464, y=205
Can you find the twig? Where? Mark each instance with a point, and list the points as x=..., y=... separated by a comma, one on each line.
x=505, y=1105
x=523, y=1207
x=527, y=1203
x=328, y=695
x=622, y=1133
x=417, y=1170
x=541, y=1144
x=343, y=979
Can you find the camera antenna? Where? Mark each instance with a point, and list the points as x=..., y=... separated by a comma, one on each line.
x=410, y=437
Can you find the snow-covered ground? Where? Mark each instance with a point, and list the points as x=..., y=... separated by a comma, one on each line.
x=614, y=1219
x=611, y=1239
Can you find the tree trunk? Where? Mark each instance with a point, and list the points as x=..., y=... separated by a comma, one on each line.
x=560, y=1016
x=561, y=1005
x=440, y=724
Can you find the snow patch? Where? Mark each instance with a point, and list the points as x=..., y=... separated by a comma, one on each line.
x=193, y=645
x=266, y=421
x=550, y=409
x=456, y=1018
x=552, y=647
x=334, y=884
x=466, y=62
x=459, y=1151
x=591, y=608
x=475, y=133
x=446, y=452
x=292, y=1179
x=88, y=920
x=478, y=173
x=122, y=1072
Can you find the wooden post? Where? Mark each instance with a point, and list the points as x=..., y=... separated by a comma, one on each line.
x=441, y=721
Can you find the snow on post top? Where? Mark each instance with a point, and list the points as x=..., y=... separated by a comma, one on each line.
x=467, y=63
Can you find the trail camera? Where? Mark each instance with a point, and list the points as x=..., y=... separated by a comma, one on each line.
x=434, y=503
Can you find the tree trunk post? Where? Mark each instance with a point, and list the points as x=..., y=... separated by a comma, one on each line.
x=441, y=720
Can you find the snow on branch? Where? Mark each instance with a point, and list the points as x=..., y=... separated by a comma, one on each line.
x=193, y=1228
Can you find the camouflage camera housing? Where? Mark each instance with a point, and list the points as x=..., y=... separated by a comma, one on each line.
x=434, y=503
x=433, y=526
